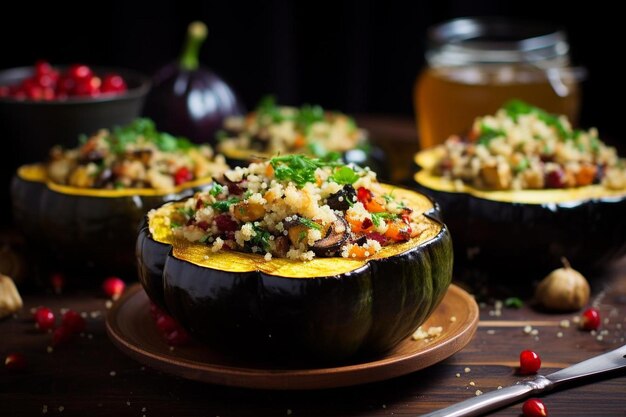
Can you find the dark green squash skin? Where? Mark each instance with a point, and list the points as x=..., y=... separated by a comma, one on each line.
x=526, y=241
x=327, y=319
x=78, y=233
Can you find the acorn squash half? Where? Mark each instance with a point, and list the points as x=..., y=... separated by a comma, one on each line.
x=327, y=309
x=524, y=233
x=75, y=228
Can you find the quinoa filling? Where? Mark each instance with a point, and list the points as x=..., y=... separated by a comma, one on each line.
x=133, y=156
x=524, y=147
x=298, y=208
x=274, y=129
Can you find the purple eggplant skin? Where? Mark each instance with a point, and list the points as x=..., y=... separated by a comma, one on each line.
x=190, y=100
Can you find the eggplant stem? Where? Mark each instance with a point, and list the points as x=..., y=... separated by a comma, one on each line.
x=196, y=35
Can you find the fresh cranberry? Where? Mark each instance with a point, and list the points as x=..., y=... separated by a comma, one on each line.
x=529, y=362
x=79, y=72
x=534, y=408
x=166, y=324
x=61, y=335
x=363, y=195
x=377, y=237
x=177, y=337
x=42, y=68
x=155, y=311
x=15, y=362
x=5, y=91
x=555, y=179
x=182, y=175
x=225, y=223
x=590, y=319
x=73, y=321
x=65, y=85
x=87, y=87
x=113, y=287
x=113, y=83
x=44, y=319
x=57, y=281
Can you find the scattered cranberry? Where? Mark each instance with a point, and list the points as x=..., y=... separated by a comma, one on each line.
x=73, y=321
x=166, y=324
x=57, y=281
x=590, y=319
x=555, y=179
x=113, y=287
x=182, y=175
x=178, y=337
x=534, y=408
x=78, y=81
x=44, y=319
x=15, y=362
x=529, y=362
x=61, y=335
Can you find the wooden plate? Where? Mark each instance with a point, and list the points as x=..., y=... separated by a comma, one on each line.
x=132, y=329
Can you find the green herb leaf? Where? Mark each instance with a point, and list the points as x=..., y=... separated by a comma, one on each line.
x=378, y=217
x=186, y=211
x=344, y=175
x=261, y=237
x=523, y=165
x=487, y=134
x=216, y=189
x=224, y=205
x=298, y=169
x=122, y=136
x=309, y=223
x=513, y=302
x=516, y=108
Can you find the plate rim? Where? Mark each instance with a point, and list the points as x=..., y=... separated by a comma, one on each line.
x=297, y=378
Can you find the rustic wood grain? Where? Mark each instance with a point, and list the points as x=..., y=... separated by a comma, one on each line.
x=90, y=377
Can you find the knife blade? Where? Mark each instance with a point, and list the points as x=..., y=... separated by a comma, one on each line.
x=608, y=362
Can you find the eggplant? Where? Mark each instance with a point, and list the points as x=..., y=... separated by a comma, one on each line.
x=327, y=310
x=189, y=100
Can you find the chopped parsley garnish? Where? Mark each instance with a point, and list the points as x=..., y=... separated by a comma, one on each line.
x=298, y=169
x=307, y=115
x=378, y=217
x=513, y=302
x=216, y=189
x=344, y=175
x=516, y=108
x=523, y=165
x=122, y=136
x=309, y=223
x=267, y=108
x=487, y=133
x=186, y=211
x=175, y=225
x=261, y=237
x=224, y=205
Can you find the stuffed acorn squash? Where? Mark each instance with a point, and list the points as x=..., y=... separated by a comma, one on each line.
x=83, y=206
x=309, y=130
x=525, y=189
x=300, y=257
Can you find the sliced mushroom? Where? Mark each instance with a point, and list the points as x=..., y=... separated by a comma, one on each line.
x=281, y=246
x=342, y=199
x=337, y=236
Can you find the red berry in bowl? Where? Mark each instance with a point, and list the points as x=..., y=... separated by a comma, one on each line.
x=73, y=321
x=534, y=408
x=590, y=319
x=79, y=72
x=177, y=337
x=529, y=362
x=113, y=287
x=44, y=319
x=15, y=362
x=113, y=83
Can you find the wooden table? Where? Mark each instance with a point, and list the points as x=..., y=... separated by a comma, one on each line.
x=89, y=376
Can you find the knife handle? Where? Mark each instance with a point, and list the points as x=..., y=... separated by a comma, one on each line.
x=493, y=400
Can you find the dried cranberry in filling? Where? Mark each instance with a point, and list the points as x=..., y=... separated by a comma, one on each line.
x=225, y=223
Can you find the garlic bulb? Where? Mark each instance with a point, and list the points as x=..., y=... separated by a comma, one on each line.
x=564, y=289
x=10, y=300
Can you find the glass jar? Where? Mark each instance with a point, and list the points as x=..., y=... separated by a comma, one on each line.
x=477, y=64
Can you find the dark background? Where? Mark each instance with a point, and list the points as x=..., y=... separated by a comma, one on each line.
x=356, y=56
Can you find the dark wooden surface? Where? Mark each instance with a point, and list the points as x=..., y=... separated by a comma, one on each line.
x=89, y=376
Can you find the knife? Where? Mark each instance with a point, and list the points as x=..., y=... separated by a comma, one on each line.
x=608, y=362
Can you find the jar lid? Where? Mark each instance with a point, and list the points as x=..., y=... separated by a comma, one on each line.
x=494, y=40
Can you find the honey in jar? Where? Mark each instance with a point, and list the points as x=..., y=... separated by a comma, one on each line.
x=477, y=64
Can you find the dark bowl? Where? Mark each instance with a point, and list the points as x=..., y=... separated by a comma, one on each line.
x=28, y=128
